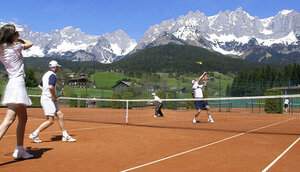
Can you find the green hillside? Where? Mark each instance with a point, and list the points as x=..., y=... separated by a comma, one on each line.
x=180, y=59
x=108, y=79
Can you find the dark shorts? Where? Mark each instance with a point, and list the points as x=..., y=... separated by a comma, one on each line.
x=286, y=105
x=200, y=104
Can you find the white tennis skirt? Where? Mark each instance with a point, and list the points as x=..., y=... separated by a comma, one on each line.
x=15, y=92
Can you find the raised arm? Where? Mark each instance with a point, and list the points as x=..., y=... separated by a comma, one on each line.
x=205, y=80
x=201, y=77
x=27, y=44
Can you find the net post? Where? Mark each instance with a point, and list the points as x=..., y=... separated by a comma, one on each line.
x=259, y=105
x=291, y=102
x=126, y=112
x=252, y=105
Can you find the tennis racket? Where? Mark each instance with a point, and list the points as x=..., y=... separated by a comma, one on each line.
x=60, y=88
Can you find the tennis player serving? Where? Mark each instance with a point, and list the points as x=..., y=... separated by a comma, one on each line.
x=198, y=94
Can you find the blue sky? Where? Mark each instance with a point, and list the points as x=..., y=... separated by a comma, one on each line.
x=97, y=17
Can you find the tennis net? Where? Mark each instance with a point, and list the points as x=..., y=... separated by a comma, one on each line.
x=259, y=114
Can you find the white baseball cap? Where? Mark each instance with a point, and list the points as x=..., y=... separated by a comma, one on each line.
x=153, y=94
x=54, y=63
x=193, y=81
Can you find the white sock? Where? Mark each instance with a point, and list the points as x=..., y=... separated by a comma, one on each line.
x=36, y=132
x=20, y=147
x=209, y=116
x=65, y=133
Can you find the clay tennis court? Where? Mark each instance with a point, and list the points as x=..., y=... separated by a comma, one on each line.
x=235, y=142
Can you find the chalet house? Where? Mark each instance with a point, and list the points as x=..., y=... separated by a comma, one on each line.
x=124, y=86
x=79, y=82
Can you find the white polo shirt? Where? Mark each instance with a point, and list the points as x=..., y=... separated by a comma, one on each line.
x=198, y=90
x=286, y=101
x=157, y=100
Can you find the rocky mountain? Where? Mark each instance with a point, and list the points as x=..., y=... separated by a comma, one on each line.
x=73, y=44
x=236, y=33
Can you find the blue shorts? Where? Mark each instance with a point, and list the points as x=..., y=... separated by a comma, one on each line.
x=200, y=104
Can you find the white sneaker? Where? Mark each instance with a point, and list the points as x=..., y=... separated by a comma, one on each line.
x=21, y=154
x=35, y=138
x=194, y=120
x=210, y=120
x=68, y=139
x=155, y=116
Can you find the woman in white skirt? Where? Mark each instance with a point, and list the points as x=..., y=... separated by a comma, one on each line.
x=15, y=95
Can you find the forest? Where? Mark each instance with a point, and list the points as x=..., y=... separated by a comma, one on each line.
x=258, y=80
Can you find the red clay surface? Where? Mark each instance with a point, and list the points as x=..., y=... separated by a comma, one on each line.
x=235, y=142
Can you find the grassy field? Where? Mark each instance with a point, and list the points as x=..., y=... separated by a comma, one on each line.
x=104, y=82
x=219, y=82
x=89, y=92
x=107, y=80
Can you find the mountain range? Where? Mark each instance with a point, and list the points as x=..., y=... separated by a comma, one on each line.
x=235, y=33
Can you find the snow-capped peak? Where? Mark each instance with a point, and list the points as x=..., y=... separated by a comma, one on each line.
x=226, y=30
x=285, y=12
x=72, y=42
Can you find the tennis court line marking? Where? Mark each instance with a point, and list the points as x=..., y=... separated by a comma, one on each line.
x=191, y=150
x=270, y=125
x=204, y=146
x=78, y=129
x=281, y=155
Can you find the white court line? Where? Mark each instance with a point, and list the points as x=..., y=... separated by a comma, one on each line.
x=81, y=129
x=270, y=165
x=270, y=125
x=78, y=129
x=210, y=144
x=191, y=150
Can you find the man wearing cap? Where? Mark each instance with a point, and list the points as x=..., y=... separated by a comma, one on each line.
x=159, y=105
x=198, y=94
x=49, y=104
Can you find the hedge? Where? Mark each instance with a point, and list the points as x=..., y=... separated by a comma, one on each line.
x=73, y=103
x=273, y=105
x=36, y=103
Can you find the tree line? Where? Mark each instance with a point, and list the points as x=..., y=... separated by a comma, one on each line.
x=258, y=80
